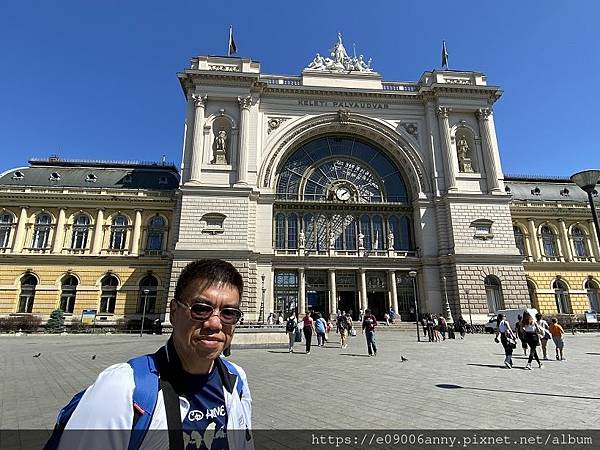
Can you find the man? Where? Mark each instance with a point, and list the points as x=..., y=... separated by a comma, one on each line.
x=546, y=337
x=557, y=332
x=209, y=392
x=368, y=326
x=342, y=328
x=290, y=328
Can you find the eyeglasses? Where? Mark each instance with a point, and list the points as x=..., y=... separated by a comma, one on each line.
x=202, y=312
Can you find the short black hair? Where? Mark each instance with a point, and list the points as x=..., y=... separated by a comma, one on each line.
x=210, y=271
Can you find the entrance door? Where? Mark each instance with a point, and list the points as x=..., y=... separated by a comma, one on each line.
x=348, y=301
x=318, y=301
x=377, y=304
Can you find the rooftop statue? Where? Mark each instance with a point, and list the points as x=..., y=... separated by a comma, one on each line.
x=339, y=61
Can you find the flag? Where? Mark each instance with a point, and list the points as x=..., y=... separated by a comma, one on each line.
x=231, y=49
x=444, y=55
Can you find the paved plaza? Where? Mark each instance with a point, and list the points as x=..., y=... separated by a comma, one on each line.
x=334, y=388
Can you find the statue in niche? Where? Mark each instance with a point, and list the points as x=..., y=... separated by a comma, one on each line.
x=391, y=241
x=301, y=239
x=220, y=148
x=462, y=149
x=361, y=241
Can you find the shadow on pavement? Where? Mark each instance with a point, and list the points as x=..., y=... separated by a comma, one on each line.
x=354, y=354
x=456, y=386
x=491, y=366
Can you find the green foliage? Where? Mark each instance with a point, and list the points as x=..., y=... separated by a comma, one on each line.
x=56, y=322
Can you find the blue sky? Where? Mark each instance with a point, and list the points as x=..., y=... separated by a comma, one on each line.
x=97, y=80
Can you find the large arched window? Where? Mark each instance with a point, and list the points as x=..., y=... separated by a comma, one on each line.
x=108, y=295
x=493, y=293
x=532, y=291
x=68, y=293
x=118, y=233
x=41, y=231
x=6, y=224
x=81, y=227
x=156, y=231
x=405, y=239
x=561, y=296
x=519, y=239
x=591, y=287
x=579, y=242
x=147, y=294
x=27, y=294
x=549, y=241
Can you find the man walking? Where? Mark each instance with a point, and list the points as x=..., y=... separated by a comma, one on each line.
x=342, y=328
x=185, y=387
x=290, y=328
x=368, y=326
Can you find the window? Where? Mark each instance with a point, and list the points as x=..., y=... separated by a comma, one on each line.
x=579, y=242
x=67, y=293
x=493, y=293
x=536, y=191
x=561, y=296
x=350, y=232
x=41, y=231
x=365, y=229
x=548, y=241
x=80, y=232
x=286, y=293
x=156, y=231
x=378, y=234
x=91, y=178
x=147, y=294
x=483, y=229
x=214, y=223
x=292, y=230
x=108, y=295
x=519, y=239
x=6, y=224
x=532, y=291
x=162, y=180
x=593, y=296
x=118, y=233
x=280, y=231
x=54, y=176
x=18, y=175
x=27, y=295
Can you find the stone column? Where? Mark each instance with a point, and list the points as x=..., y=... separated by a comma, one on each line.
x=564, y=234
x=197, y=143
x=534, y=241
x=21, y=231
x=332, y=294
x=302, y=306
x=394, y=291
x=98, y=232
x=483, y=114
x=451, y=158
x=137, y=231
x=245, y=103
x=363, y=290
x=593, y=241
x=59, y=233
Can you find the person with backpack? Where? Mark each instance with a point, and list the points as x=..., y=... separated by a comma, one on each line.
x=290, y=328
x=508, y=339
x=368, y=326
x=342, y=328
x=186, y=387
x=532, y=332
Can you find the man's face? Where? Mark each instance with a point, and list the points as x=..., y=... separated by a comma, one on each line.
x=203, y=339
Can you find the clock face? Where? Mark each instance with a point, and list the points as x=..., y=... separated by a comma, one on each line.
x=343, y=194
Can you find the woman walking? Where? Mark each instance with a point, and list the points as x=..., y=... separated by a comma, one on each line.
x=508, y=339
x=521, y=333
x=532, y=333
x=308, y=328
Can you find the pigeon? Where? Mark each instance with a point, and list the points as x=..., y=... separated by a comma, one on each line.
x=93, y=357
x=37, y=356
x=402, y=359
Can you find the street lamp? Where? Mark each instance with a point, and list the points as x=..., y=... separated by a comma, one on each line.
x=146, y=292
x=261, y=319
x=587, y=180
x=447, y=312
x=413, y=275
x=469, y=306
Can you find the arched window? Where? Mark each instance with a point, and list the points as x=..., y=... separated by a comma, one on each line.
x=561, y=296
x=27, y=295
x=41, y=231
x=81, y=227
x=519, y=239
x=147, y=294
x=108, y=296
x=405, y=240
x=6, y=224
x=292, y=231
x=579, y=242
x=549, y=241
x=493, y=293
x=280, y=231
x=156, y=231
x=118, y=233
x=365, y=229
x=67, y=293
x=592, y=292
x=532, y=294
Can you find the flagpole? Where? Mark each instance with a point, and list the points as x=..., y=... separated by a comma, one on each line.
x=229, y=41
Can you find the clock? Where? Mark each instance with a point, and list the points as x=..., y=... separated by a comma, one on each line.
x=343, y=194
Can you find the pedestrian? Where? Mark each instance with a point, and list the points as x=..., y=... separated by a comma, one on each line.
x=308, y=326
x=320, y=329
x=430, y=327
x=558, y=334
x=342, y=329
x=386, y=318
x=508, y=339
x=270, y=319
x=424, y=325
x=532, y=336
x=461, y=326
x=392, y=314
x=443, y=327
x=280, y=319
x=546, y=336
x=351, y=330
x=170, y=388
x=290, y=328
x=521, y=333
x=368, y=327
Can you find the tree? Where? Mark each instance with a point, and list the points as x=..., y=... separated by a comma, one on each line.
x=56, y=322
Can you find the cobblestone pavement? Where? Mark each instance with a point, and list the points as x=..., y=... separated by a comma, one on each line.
x=453, y=384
